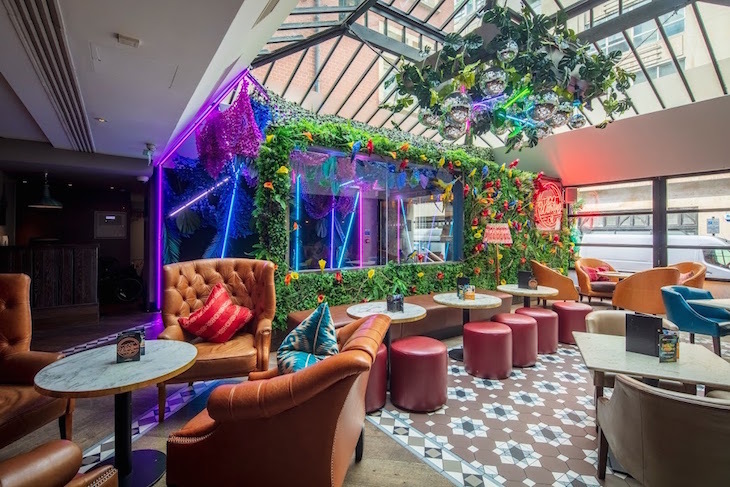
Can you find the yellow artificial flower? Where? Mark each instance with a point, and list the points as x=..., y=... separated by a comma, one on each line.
x=501, y=168
x=269, y=138
x=499, y=256
x=509, y=173
x=503, y=282
x=295, y=275
x=371, y=273
x=473, y=172
x=457, y=163
x=350, y=144
x=282, y=170
x=423, y=157
x=420, y=275
x=322, y=264
x=442, y=161
x=478, y=235
x=393, y=154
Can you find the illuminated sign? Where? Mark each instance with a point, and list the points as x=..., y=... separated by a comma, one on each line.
x=548, y=206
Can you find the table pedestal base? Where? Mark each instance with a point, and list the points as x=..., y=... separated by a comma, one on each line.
x=458, y=353
x=148, y=468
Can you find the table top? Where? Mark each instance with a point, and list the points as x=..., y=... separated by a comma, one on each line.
x=480, y=301
x=410, y=313
x=619, y=274
x=95, y=372
x=540, y=292
x=712, y=303
x=696, y=364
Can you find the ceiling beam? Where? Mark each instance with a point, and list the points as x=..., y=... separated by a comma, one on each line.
x=724, y=3
x=310, y=41
x=385, y=43
x=631, y=18
x=321, y=10
x=359, y=11
x=320, y=24
x=407, y=20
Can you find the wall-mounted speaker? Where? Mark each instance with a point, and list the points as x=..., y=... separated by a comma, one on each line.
x=571, y=195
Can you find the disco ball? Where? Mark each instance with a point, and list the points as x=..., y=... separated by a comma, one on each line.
x=577, y=120
x=457, y=107
x=508, y=52
x=561, y=115
x=451, y=131
x=493, y=82
x=545, y=105
x=543, y=130
x=428, y=118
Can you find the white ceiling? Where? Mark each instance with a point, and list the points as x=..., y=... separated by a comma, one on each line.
x=681, y=140
x=187, y=50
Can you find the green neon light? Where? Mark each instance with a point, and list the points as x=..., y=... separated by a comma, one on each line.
x=525, y=91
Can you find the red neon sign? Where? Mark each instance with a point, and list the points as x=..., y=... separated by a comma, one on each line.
x=548, y=204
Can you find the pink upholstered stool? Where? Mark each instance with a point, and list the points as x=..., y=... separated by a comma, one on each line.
x=418, y=374
x=571, y=317
x=375, y=393
x=547, y=328
x=488, y=349
x=524, y=338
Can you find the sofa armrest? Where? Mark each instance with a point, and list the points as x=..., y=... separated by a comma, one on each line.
x=262, y=342
x=51, y=464
x=22, y=367
x=267, y=398
x=100, y=477
x=172, y=332
x=263, y=375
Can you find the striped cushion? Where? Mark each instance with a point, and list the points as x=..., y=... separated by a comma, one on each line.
x=219, y=319
x=313, y=340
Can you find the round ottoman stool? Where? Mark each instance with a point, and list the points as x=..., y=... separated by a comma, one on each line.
x=375, y=393
x=571, y=317
x=488, y=349
x=524, y=338
x=418, y=374
x=547, y=328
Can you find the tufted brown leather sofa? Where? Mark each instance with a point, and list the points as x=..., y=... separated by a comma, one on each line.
x=54, y=464
x=186, y=288
x=283, y=430
x=22, y=409
x=440, y=321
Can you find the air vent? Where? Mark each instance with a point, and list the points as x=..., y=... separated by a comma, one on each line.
x=40, y=29
x=266, y=11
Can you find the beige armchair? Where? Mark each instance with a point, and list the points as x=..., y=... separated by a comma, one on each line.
x=664, y=438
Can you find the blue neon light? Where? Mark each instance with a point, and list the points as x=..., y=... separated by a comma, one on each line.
x=230, y=213
x=451, y=232
x=349, y=228
x=526, y=122
x=332, y=240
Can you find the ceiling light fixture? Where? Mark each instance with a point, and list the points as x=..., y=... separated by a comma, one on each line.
x=100, y=119
x=127, y=40
x=46, y=201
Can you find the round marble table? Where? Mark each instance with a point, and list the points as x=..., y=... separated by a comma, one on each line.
x=410, y=313
x=95, y=373
x=480, y=301
x=617, y=274
x=527, y=294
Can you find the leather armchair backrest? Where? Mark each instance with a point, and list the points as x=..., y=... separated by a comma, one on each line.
x=187, y=286
x=666, y=438
x=15, y=322
x=583, y=280
x=641, y=292
x=613, y=322
x=548, y=277
x=682, y=314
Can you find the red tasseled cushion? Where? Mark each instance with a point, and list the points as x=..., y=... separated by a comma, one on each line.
x=219, y=319
x=683, y=277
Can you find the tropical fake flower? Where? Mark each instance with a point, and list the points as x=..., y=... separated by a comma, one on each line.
x=282, y=170
x=320, y=298
x=268, y=185
x=338, y=277
x=295, y=275
x=287, y=279
x=322, y=264
x=308, y=135
x=420, y=275
x=371, y=273
x=440, y=276
x=269, y=138
x=477, y=271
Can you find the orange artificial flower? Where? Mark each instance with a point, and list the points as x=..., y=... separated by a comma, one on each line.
x=405, y=147
x=477, y=271
x=287, y=279
x=268, y=185
x=320, y=298
x=440, y=276
x=308, y=135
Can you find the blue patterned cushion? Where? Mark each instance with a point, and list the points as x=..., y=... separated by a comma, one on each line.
x=313, y=340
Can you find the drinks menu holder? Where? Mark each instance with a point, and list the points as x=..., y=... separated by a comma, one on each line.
x=129, y=346
x=461, y=283
x=394, y=303
x=642, y=334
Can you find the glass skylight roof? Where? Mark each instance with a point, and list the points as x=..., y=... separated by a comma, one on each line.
x=338, y=56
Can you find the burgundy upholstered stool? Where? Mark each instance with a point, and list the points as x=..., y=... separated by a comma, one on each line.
x=378, y=381
x=488, y=349
x=418, y=375
x=524, y=338
x=571, y=317
x=547, y=328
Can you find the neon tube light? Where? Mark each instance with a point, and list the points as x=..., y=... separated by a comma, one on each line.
x=362, y=238
x=521, y=120
x=405, y=225
x=451, y=232
x=397, y=239
x=158, y=232
x=202, y=115
x=332, y=240
x=230, y=214
x=516, y=97
x=199, y=197
x=430, y=232
x=297, y=239
x=349, y=228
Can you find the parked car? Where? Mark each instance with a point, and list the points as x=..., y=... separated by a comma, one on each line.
x=634, y=259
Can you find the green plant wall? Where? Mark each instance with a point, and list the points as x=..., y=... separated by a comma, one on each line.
x=492, y=194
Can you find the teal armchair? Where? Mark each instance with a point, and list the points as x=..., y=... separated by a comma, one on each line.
x=695, y=319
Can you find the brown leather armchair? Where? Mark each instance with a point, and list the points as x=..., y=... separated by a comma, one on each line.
x=187, y=286
x=54, y=464
x=293, y=429
x=22, y=409
x=595, y=289
x=642, y=292
x=664, y=438
x=698, y=278
x=549, y=277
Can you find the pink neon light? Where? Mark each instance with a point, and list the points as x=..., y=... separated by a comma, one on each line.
x=159, y=237
x=198, y=198
x=362, y=239
x=397, y=235
x=201, y=117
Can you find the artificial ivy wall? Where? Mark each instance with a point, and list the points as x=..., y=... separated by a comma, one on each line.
x=492, y=193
